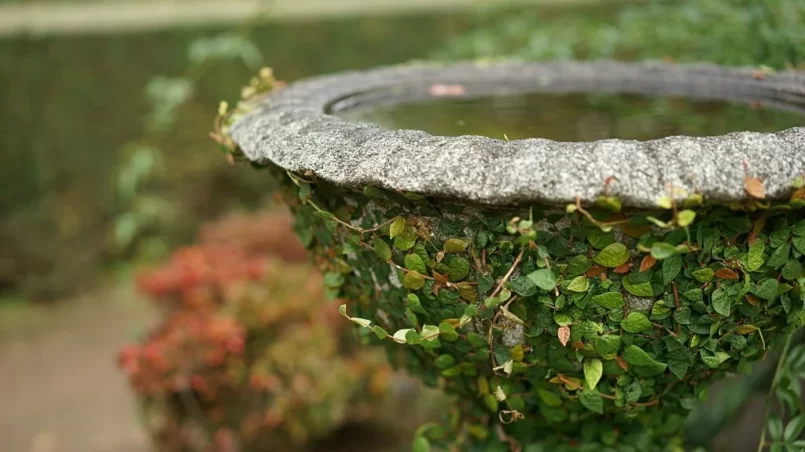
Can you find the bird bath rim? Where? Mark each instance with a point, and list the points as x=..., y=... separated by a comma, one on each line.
x=295, y=129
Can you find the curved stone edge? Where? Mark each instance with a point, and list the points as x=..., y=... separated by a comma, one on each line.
x=290, y=129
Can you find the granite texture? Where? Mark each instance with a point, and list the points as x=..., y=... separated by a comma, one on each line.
x=294, y=129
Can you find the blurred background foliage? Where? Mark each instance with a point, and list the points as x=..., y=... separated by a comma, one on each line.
x=727, y=32
x=77, y=107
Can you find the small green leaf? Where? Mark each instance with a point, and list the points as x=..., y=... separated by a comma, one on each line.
x=380, y=332
x=612, y=256
x=397, y=227
x=549, y=398
x=575, y=267
x=562, y=318
x=768, y=289
x=678, y=367
x=333, y=280
x=799, y=243
x=414, y=263
x=600, y=239
x=682, y=316
x=448, y=332
x=671, y=268
x=721, y=302
x=382, y=249
x=592, y=400
x=642, y=289
x=420, y=444
x=305, y=190
x=794, y=428
x=445, y=361
x=713, y=360
x=609, y=300
x=609, y=203
x=469, y=313
x=455, y=245
x=406, y=239
x=635, y=356
x=593, y=369
x=459, y=269
x=685, y=218
x=662, y=250
x=633, y=392
x=754, y=258
x=429, y=333
x=413, y=280
x=579, y=284
x=415, y=305
x=792, y=270
x=523, y=286
x=775, y=427
x=476, y=340
x=492, y=302
x=665, y=202
x=704, y=274
x=543, y=278
x=607, y=345
x=780, y=256
x=636, y=322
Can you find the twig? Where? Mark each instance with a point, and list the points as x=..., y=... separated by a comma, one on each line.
x=509, y=273
x=514, y=446
x=593, y=220
x=657, y=325
x=347, y=225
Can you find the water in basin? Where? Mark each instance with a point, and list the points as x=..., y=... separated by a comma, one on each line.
x=575, y=117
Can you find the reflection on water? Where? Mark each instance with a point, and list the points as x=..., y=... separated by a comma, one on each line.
x=575, y=117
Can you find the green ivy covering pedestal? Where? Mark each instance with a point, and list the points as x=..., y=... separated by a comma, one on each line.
x=565, y=327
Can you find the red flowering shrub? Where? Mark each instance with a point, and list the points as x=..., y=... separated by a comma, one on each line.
x=248, y=355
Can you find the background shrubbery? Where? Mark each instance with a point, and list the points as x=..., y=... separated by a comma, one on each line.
x=729, y=32
x=249, y=355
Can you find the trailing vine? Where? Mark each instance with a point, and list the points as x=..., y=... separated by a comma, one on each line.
x=599, y=324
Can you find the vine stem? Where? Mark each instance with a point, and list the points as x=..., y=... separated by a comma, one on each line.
x=347, y=225
x=774, y=382
x=509, y=273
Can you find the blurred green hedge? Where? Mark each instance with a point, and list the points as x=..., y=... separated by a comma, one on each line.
x=71, y=103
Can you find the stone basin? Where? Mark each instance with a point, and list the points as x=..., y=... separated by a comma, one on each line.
x=575, y=295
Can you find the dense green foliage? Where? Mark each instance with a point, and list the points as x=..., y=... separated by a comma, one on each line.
x=729, y=32
x=598, y=328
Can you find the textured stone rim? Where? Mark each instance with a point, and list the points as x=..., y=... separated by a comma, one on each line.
x=293, y=128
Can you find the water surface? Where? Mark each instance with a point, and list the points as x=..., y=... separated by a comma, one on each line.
x=575, y=117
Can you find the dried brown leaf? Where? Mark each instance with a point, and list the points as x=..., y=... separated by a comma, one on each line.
x=754, y=188
x=648, y=262
x=564, y=335
x=726, y=273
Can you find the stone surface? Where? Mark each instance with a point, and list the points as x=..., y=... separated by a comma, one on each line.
x=294, y=129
